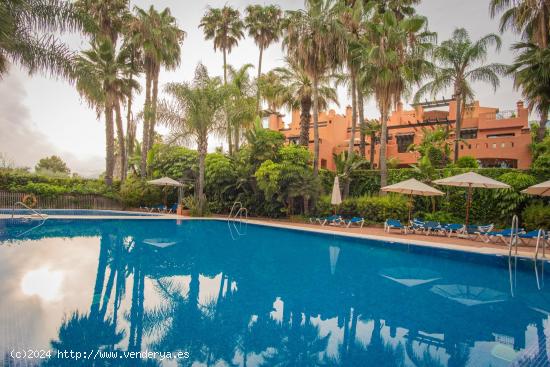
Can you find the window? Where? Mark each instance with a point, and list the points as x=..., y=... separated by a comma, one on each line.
x=403, y=142
x=500, y=135
x=468, y=134
x=323, y=163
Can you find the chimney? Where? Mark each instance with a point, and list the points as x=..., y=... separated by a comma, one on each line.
x=519, y=105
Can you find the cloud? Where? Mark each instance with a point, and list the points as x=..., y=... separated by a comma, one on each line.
x=21, y=142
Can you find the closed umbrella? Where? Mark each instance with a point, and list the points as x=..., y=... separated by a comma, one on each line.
x=165, y=182
x=336, y=198
x=412, y=187
x=471, y=180
x=541, y=189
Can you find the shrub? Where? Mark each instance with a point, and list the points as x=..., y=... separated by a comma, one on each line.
x=467, y=161
x=375, y=209
x=440, y=216
x=136, y=192
x=511, y=201
x=536, y=216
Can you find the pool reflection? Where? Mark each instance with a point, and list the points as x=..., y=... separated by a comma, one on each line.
x=278, y=298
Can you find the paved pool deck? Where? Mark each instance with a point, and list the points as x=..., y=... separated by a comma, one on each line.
x=367, y=232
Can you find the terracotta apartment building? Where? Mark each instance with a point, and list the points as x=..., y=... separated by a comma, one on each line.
x=495, y=138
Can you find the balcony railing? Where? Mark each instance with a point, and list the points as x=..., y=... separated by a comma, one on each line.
x=501, y=115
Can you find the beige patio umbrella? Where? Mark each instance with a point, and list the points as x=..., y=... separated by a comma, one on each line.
x=412, y=187
x=471, y=180
x=165, y=182
x=541, y=189
x=336, y=197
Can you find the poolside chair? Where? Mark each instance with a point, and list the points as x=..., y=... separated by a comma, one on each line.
x=333, y=220
x=501, y=236
x=390, y=224
x=479, y=232
x=173, y=208
x=355, y=220
x=449, y=228
x=432, y=227
x=160, y=208
x=416, y=225
x=533, y=235
x=324, y=220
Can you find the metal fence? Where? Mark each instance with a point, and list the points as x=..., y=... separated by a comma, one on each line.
x=8, y=199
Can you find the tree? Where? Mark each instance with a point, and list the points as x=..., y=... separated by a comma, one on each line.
x=101, y=79
x=240, y=107
x=160, y=39
x=394, y=51
x=434, y=146
x=315, y=39
x=21, y=42
x=529, y=18
x=531, y=71
x=372, y=129
x=194, y=113
x=456, y=67
x=225, y=27
x=52, y=164
x=297, y=92
x=264, y=26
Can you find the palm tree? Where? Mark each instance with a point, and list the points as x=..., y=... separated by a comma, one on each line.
x=20, y=42
x=297, y=92
x=241, y=103
x=372, y=129
x=225, y=27
x=103, y=18
x=195, y=113
x=531, y=74
x=160, y=40
x=264, y=26
x=395, y=50
x=271, y=91
x=456, y=67
x=530, y=18
x=100, y=74
x=315, y=39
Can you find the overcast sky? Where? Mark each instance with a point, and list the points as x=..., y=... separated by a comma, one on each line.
x=40, y=116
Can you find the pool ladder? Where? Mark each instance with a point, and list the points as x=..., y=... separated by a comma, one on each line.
x=237, y=219
x=36, y=213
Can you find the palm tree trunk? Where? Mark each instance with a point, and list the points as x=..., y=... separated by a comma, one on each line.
x=237, y=137
x=121, y=139
x=257, y=80
x=372, y=146
x=315, y=127
x=229, y=142
x=351, y=143
x=109, y=144
x=362, y=126
x=130, y=129
x=383, y=147
x=145, y=137
x=305, y=120
x=541, y=132
x=202, y=147
x=458, y=123
x=154, y=99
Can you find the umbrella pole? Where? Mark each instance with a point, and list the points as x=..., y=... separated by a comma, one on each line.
x=410, y=206
x=468, y=203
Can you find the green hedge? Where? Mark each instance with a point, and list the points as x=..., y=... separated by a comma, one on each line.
x=375, y=209
x=17, y=181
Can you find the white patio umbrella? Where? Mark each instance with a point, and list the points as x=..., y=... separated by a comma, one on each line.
x=336, y=198
x=165, y=182
x=471, y=180
x=412, y=187
x=541, y=189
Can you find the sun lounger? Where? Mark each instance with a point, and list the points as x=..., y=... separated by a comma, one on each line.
x=173, y=208
x=533, y=235
x=333, y=219
x=450, y=228
x=432, y=227
x=390, y=224
x=501, y=236
x=479, y=232
x=355, y=221
x=417, y=225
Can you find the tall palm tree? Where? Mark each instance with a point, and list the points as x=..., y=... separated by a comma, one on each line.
x=297, y=93
x=372, y=129
x=530, y=18
x=160, y=39
x=103, y=18
x=225, y=27
x=531, y=70
x=100, y=74
x=195, y=114
x=395, y=53
x=457, y=65
x=21, y=43
x=271, y=91
x=315, y=38
x=264, y=26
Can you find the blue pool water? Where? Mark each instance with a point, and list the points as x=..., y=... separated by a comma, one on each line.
x=259, y=296
x=76, y=212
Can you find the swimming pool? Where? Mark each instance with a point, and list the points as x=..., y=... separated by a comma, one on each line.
x=93, y=212
x=262, y=296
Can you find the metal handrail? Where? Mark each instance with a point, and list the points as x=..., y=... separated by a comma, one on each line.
x=27, y=207
x=540, y=235
x=233, y=208
x=232, y=218
x=514, y=235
